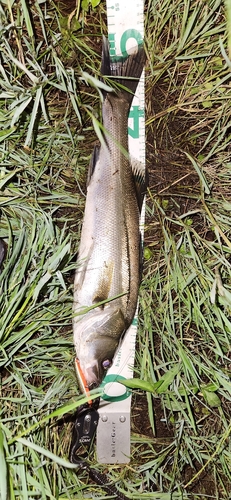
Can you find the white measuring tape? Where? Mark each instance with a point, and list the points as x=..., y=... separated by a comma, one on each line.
x=125, y=30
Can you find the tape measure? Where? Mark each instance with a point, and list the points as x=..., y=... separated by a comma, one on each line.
x=125, y=31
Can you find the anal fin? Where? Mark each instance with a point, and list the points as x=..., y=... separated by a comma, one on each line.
x=140, y=175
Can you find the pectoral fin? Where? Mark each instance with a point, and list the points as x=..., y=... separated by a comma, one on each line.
x=114, y=325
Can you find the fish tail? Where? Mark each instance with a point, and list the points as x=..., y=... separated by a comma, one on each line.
x=125, y=71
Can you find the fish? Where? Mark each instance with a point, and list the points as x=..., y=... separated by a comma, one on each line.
x=108, y=270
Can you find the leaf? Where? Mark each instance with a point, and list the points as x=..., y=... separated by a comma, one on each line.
x=95, y=3
x=210, y=387
x=98, y=84
x=207, y=104
x=85, y=4
x=147, y=253
x=52, y=267
x=27, y=19
x=167, y=379
x=7, y=177
x=211, y=398
x=48, y=454
x=3, y=470
x=200, y=174
x=33, y=117
x=158, y=387
x=6, y=133
x=19, y=110
x=137, y=383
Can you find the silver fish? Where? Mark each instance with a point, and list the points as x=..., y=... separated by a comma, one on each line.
x=108, y=265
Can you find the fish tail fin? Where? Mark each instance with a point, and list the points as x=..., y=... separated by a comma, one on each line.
x=125, y=71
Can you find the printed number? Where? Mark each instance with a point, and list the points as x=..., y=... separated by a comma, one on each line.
x=130, y=33
x=135, y=114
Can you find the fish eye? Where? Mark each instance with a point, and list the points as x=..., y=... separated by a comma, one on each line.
x=106, y=364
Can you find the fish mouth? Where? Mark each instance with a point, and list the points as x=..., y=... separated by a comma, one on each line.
x=88, y=376
x=92, y=377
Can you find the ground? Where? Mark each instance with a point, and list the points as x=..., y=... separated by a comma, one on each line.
x=181, y=429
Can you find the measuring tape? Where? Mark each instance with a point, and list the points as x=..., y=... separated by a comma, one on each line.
x=125, y=31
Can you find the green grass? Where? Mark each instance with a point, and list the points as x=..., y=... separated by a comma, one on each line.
x=49, y=111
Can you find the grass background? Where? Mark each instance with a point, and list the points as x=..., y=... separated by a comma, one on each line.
x=49, y=112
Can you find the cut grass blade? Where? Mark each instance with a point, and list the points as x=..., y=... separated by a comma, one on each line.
x=3, y=469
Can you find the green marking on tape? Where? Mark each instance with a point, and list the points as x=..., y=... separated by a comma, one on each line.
x=135, y=113
x=113, y=377
x=111, y=39
x=130, y=33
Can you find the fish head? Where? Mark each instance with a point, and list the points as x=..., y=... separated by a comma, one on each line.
x=96, y=339
x=93, y=362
